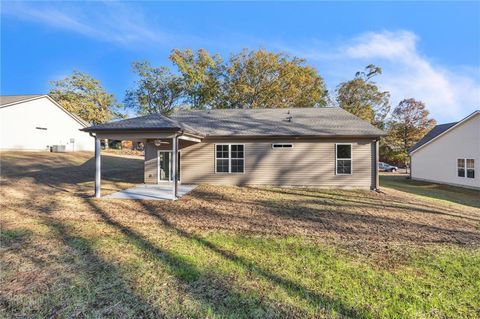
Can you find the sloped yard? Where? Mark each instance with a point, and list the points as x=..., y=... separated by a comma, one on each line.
x=228, y=251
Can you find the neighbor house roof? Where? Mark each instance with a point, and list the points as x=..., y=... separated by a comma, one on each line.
x=434, y=132
x=438, y=131
x=9, y=100
x=252, y=122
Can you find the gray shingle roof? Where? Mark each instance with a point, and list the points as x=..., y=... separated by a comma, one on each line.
x=151, y=122
x=8, y=99
x=274, y=122
x=434, y=132
x=253, y=122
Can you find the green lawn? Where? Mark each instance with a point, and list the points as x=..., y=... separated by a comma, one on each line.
x=228, y=252
x=464, y=196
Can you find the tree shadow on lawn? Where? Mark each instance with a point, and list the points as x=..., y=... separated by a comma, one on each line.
x=319, y=301
x=114, y=168
x=330, y=198
x=322, y=215
x=101, y=274
x=97, y=288
x=458, y=195
x=217, y=294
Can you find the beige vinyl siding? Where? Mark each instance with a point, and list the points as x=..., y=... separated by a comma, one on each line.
x=309, y=162
x=151, y=164
x=151, y=157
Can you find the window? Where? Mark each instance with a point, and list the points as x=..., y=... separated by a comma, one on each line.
x=461, y=167
x=470, y=168
x=343, y=159
x=281, y=146
x=229, y=158
x=466, y=167
x=222, y=158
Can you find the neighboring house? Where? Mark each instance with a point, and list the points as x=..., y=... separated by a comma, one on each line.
x=449, y=154
x=37, y=123
x=326, y=147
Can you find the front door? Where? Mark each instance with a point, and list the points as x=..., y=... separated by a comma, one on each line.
x=164, y=167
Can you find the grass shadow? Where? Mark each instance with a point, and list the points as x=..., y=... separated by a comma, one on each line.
x=319, y=301
x=225, y=301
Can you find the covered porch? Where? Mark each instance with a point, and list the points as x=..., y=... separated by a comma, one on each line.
x=164, y=182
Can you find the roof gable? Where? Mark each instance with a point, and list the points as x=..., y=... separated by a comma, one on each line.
x=10, y=100
x=438, y=131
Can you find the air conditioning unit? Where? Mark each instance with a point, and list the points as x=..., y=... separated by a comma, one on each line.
x=58, y=148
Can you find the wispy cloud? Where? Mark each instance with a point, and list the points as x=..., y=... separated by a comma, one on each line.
x=449, y=92
x=111, y=22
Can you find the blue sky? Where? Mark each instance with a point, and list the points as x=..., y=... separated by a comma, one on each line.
x=429, y=51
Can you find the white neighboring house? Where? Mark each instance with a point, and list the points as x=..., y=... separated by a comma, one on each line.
x=449, y=154
x=37, y=122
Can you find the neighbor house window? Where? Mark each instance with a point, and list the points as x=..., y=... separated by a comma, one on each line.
x=466, y=167
x=282, y=145
x=470, y=168
x=343, y=159
x=229, y=158
x=461, y=167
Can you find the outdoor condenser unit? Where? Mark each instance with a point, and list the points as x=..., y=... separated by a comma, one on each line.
x=58, y=149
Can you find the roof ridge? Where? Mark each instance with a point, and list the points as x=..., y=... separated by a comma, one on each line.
x=259, y=109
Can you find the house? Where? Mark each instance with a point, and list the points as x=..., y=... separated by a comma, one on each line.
x=449, y=154
x=38, y=123
x=323, y=147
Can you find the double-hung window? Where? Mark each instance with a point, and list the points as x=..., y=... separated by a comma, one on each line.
x=229, y=158
x=470, y=168
x=466, y=167
x=343, y=160
x=461, y=167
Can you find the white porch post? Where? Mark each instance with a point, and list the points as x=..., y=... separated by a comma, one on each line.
x=98, y=172
x=377, y=180
x=174, y=166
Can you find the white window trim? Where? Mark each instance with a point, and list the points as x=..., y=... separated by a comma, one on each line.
x=229, y=158
x=351, y=158
x=282, y=147
x=465, y=168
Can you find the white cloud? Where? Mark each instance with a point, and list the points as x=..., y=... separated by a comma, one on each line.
x=109, y=21
x=450, y=93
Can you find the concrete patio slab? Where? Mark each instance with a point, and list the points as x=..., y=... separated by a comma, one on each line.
x=151, y=192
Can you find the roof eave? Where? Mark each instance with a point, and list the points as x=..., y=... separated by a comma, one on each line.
x=297, y=136
x=140, y=130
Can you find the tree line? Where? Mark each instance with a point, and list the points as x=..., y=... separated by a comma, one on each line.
x=248, y=79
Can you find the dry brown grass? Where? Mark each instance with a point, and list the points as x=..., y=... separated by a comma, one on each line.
x=57, y=236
